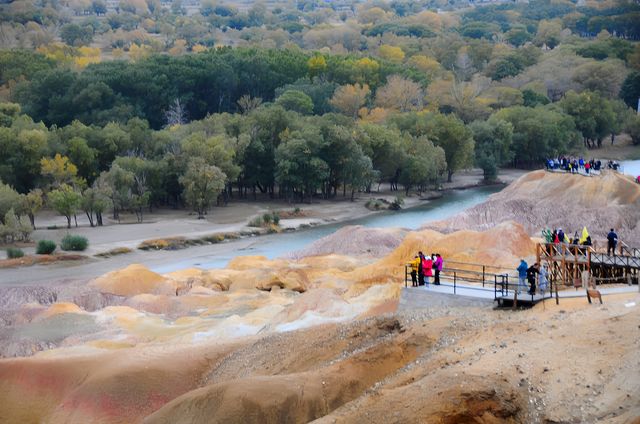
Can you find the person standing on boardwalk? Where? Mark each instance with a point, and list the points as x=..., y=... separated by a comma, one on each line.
x=420, y=269
x=531, y=276
x=543, y=279
x=427, y=266
x=612, y=242
x=522, y=275
x=439, y=263
x=415, y=264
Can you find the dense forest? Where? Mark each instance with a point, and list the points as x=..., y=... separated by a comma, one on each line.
x=140, y=104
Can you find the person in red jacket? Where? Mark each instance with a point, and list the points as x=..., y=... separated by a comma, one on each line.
x=427, y=266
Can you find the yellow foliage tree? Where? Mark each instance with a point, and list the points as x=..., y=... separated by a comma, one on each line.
x=179, y=47
x=87, y=55
x=198, y=48
x=317, y=65
x=59, y=170
x=349, y=98
x=428, y=65
x=392, y=53
x=139, y=52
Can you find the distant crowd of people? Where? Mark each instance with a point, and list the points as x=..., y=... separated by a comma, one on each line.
x=424, y=267
x=559, y=236
x=575, y=165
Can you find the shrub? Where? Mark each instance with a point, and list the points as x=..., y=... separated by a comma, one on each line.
x=13, y=253
x=276, y=218
x=45, y=247
x=266, y=218
x=75, y=243
x=256, y=222
x=297, y=210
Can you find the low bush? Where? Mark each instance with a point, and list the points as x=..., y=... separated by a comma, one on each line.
x=74, y=243
x=45, y=247
x=13, y=253
x=256, y=222
x=266, y=218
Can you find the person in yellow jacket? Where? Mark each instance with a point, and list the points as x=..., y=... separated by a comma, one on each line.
x=415, y=265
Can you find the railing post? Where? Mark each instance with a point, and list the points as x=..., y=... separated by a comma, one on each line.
x=454, y=282
x=405, y=276
x=482, y=275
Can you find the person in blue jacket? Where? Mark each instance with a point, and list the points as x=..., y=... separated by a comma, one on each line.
x=522, y=276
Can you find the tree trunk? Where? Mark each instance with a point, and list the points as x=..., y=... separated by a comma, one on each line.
x=449, y=175
x=99, y=218
x=90, y=216
x=75, y=218
x=68, y=221
x=32, y=219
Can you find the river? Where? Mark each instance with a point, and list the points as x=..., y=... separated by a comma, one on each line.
x=276, y=245
x=631, y=167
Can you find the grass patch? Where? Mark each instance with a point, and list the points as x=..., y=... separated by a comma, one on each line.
x=114, y=252
x=172, y=243
x=266, y=220
x=14, y=252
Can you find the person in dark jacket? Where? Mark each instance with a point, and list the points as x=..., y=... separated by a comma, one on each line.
x=612, y=242
x=531, y=277
x=420, y=270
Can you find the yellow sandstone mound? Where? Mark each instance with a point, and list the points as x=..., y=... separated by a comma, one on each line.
x=132, y=280
x=501, y=246
x=60, y=308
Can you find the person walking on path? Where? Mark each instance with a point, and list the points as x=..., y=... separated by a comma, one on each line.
x=415, y=263
x=531, y=276
x=420, y=269
x=612, y=242
x=543, y=279
x=427, y=266
x=439, y=263
x=522, y=275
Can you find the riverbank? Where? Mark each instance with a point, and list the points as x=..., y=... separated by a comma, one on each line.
x=273, y=245
x=235, y=217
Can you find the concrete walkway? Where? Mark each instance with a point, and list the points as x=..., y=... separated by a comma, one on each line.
x=468, y=295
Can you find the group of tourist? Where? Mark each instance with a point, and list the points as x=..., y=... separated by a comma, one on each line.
x=559, y=236
x=424, y=267
x=576, y=165
x=528, y=273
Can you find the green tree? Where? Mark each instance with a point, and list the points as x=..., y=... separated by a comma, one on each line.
x=492, y=145
x=633, y=129
x=630, y=90
x=423, y=164
x=66, y=201
x=300, y=169
x=9, y=199
x=593, y=115
x=538, y=133
x=296, y=101
x=76, y=35
x=450, y=133
x=94, y=202
x=32, y=202
x=117, y=183
x=202, y=184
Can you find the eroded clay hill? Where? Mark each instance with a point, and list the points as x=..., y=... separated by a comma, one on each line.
x=542, y=199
